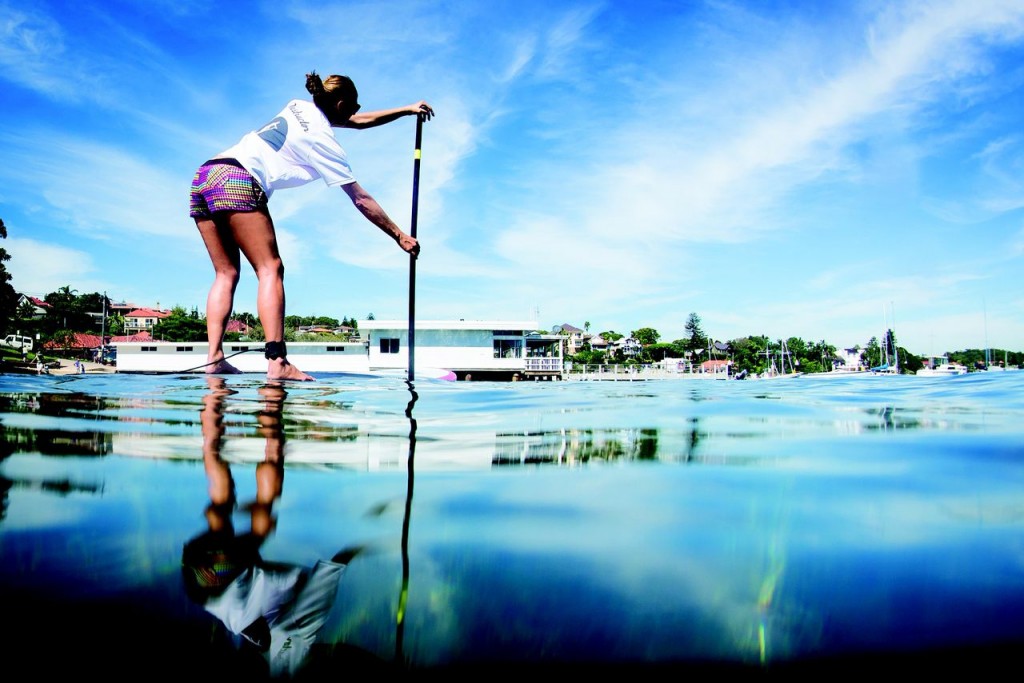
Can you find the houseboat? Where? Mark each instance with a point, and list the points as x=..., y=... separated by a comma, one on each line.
x=502, y=350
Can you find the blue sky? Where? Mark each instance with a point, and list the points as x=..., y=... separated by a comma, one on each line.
x=818, y=170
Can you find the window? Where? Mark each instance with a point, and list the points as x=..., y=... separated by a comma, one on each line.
x=336, y=349
x=389, y=345
x=148, y=348
x=181, y=349
x=508, y=348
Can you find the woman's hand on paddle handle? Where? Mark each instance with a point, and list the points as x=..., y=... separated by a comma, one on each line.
x=409, y=244
x=422, y=110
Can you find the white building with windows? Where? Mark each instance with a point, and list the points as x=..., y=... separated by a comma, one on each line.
x=481, y=349
x=464, y=349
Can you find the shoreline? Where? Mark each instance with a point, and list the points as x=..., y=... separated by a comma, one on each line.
x=64, y=367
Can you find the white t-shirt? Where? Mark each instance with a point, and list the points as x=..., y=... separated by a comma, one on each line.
x=295, y=148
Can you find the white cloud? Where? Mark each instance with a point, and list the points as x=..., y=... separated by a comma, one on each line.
x=39, y=268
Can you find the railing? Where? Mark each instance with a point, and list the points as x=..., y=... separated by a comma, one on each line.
x=543, y=364
x=636, y=372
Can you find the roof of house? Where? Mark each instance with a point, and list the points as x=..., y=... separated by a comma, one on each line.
x=147, y=313
x=36, y=301
x=83, y=340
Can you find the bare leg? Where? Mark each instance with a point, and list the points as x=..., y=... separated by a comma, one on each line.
x=218, y=474
x=254, y=234
x=219, y=302
x=270, y=472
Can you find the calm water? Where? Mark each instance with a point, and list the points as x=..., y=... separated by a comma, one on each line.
x=761, y=525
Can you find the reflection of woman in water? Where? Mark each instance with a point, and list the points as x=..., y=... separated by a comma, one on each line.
x=278, y=608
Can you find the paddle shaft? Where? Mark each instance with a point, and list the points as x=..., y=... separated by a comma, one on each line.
x=412, y=257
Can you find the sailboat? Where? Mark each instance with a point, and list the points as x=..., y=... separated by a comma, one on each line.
x=989, y=365
x=890, y=360
x=780, y=370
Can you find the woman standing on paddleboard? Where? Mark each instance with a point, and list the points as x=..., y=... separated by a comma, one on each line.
x=229, y=204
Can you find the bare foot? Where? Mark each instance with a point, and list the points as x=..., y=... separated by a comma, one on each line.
x=279, y=368
x=222, y=367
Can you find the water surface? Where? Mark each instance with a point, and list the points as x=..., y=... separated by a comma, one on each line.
x=195, y=526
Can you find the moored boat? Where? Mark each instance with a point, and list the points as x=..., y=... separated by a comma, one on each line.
x=941, y=366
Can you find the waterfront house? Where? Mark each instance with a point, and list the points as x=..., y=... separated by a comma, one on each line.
x=575, y=338
x=850, y=359
x=143, y=320
x=465, y=349
x=628, y=347
x=472, y=349
x=599, y=343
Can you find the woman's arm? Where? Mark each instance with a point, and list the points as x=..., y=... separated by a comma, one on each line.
x=370, y=119
x=369, y=207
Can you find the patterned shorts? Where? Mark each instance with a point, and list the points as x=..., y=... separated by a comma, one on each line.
x=223, y=185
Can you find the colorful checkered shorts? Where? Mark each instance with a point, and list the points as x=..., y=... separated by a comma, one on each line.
x=223, y=185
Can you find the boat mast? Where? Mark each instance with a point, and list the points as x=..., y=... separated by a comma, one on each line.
x=892, y=337
x=103, y=327
x=988, y=351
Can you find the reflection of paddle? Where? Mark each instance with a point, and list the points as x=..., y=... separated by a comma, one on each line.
x=403, y=597
x=412, y=257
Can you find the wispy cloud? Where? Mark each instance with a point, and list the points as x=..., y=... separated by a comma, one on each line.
x=36, y=265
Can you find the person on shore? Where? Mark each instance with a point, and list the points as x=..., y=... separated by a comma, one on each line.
x=230, y=192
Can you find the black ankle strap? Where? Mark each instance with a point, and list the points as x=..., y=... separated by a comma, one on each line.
x=275, y=349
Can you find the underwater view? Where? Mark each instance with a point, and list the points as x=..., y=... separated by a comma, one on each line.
x=187, y=525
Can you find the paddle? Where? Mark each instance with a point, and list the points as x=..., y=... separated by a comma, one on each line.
x=412, y=257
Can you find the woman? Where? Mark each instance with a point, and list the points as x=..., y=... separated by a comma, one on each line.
x=229, y=204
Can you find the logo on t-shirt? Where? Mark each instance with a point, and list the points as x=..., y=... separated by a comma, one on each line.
x=274, y=133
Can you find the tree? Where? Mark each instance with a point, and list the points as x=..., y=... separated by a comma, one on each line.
x=748, y=353
x=646, y=336
x=873, y=353
x=695, y=339
x=115, y=325
x=64, y=312
x=8, y=297
x=658, y=352
x=325, y=321
x=819, y=357
x=589, y=357
x=180, y=326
